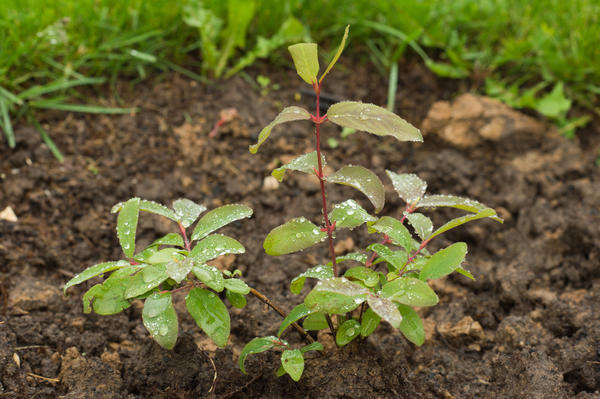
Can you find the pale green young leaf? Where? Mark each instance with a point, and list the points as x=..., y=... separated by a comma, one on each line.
x=395, y=230
x=411, y=325
x=94, y=271
x=306, y=163
x=165, y=255
x=295, y=314
x=315, y=322
x=315, y=346
x=209, y=275
x=169, y=239
x=236, y=285
x=292, y=362
x=214, y=246
x=306, y=61
x=337, y=54
x=370, y=321
x=335, y=296
x=452, y=201
x=489, y=212
x=150, y=277
x=465, y=273
x=187, y=211
x=409, y=291
x=368, y=276
x=349, y=330
x=127, y=222
x=158, y=209
x=408, y=186
x=349, y=215
x=257, y=345
x=321, y=272
x=372, y=119
x=422, y=224
x=160, y=319
x=144, y=255
x=219, y=217
x=355, y=256
x=280, y=371
x=288, y=114
x=386, y=309
x=178, y=270
x=396, y=259
x=292, y=236
x=107, y=298
x=210, y=314
x=236, y=300
x=364, y=181
x=444, y=262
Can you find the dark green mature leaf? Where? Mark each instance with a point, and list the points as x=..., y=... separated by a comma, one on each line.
x=489, y=212
x=127, y=225
x=219, y=217
x=178, y=270
x=452, y=201
x=315, y=322
x=304, y=163
x=94, y=271
x=306, y=61
x=321, y=272
x=368, y=276
x=107, y=298
x=422, y=224
x=337, y=54
x=292, y=362
x=408, y=186
x=146, y=279
x=409, y=291
x=336, y=296
x=296, y=314
x=373, y=119
x=411, y=325
x=386, y=309
x=210, y=314
x=349, y=215
x=236, y=285
x=315, y=346
x=160, y=319
x=349, y=330
x=211, y=276
x=258, y=345
x=292, y=236
x=444, y=261
x=395, y=230
x=187, y=211
x=370, y=321
x=288, y=114
x=214, y=246
x=236, y=300
x=169, y=239
x=396, y=259
x=364, y=181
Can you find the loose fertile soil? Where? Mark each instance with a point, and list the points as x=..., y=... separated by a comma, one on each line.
x=528, y=327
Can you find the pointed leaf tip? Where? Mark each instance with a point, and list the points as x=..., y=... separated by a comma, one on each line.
x=306, y=61
x=288, y=114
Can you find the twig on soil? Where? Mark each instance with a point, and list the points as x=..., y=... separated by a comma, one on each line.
x=246, y=385
x=20, y=348
x=44, y=378
x=214, y=381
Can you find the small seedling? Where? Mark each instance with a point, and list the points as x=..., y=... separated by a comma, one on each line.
x=387, y=280
x=171, y=264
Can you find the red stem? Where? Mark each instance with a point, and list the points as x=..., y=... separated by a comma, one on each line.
x=186, y=242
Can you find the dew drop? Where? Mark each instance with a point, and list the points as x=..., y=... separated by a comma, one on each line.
x=163, y=330
x=350, y=332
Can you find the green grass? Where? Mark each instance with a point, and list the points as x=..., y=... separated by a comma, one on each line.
x=539, y=54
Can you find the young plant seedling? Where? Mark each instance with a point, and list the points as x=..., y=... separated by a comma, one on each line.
x=387, y=279
x=171, y=264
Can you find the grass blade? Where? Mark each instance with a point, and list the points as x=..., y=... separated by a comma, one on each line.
x=46, y=137
x=58, y=85
x=91, y=109
x=6, y=124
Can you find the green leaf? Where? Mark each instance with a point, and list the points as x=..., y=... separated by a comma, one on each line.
x=144, y=255
x=107, y=298
x=355, y=256
x=349, y=330
x=214, y=246
x=364, y=181
x=296, y=314
x=465, y=273
x=127, y=225
x=219, y=217
x=335, y=296
x=373, y=119
x=337, y=54
x=210, y=275
x=158, y=209
x=165, y=255
x=367, y=276
x=236, y=300
x=489, y=212
x=187, y=211
x=292, y=362
x=280, y=371
x=321, y=272
x=6, y=124
x=257, y=345
x=150, y=277
x=395, y=230
x=554, y=104
x=315, y=322
x=466, y=204
x=306, y=61
x=396, y=259
x=315, y=346
x=160, y=319
x=295, y=235
x=169, y=239
x=385, y=309
x=288, y=114
x=422, y=224
x=236, y=285
x=304, y=163
x=349, y=215
x=409, y=291
x=446, y=70
x=210, y=314
x=370, y=321
x=411, y=326
x=178, y=270
x=94, y=271
x=408, y=186
x=444, y=261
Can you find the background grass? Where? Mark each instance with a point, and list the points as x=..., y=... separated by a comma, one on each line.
x=539, y=54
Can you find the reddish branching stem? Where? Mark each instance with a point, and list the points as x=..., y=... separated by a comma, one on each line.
x=186, y=242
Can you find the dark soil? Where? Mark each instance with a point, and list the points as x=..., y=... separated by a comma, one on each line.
x=528, y=327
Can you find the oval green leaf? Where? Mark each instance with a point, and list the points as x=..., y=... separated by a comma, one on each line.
x=368, y=276
x=160, y=319
x=288, y=114
x=349, y=330
x=444, y=262
x=235, y=299
x=178, y=270
x=422, y=224
x=146, y=279
x=489, y=212
x=385, y=309
x=107, y=298
x=187, y=211
x=355, y=256
x=315, y=322
x=364, y=181
x=304, y=163
x=94, y=271
x=373, y=119
x=395, y=230
x=349, y=215
x=295, y=235
x=158, y=209
x=370, y=321
x=321, y=272
x=214, y=246
x=236, y=285
x=408, y=186
x=296, y=314
x=306, y=61
x=127, y=225
x=409, y=291
x=169, y=239
x=452, y=201
x=411, y=325
x=292, y=362
x=257, y=345
x=211, y=276
x=396, y=259
x=335, y=296
x=219, y=217
x=210, y=314
x=315, y=346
